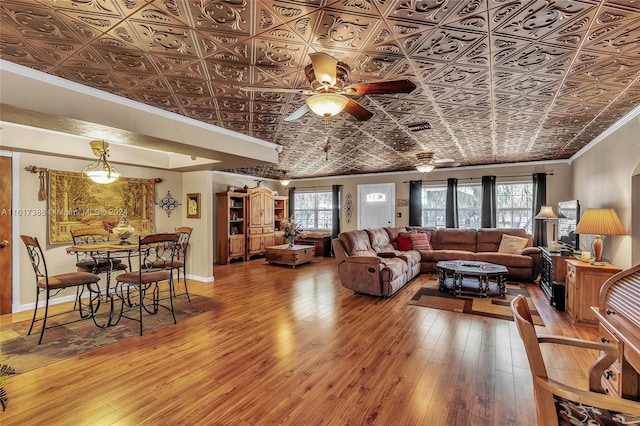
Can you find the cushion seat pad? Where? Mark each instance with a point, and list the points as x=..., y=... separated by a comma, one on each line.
x=513, y=260
x=438, y=255
x=147, y=277
x=69, y=280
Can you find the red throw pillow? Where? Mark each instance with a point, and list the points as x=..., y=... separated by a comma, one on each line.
x=404, y=243
x=421, y=241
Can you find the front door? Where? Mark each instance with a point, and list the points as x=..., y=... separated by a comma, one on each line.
x=376, y=205
x=5, y=235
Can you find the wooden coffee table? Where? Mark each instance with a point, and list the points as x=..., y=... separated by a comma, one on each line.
x=293, y=256
x=474, y=278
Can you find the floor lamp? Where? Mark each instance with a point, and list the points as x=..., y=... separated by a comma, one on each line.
x=599, y=222
x=546, y=213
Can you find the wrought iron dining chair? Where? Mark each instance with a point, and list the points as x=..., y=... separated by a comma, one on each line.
x=145, y=282
x=180, y=261
x=558, y=403
x=51, y=285
x=88, y=262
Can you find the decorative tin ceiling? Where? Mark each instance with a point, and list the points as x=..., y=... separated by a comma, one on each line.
x=498, y=81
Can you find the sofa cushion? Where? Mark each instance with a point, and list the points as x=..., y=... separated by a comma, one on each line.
x=420, y=241
x=379, y=239
x=454, y=239
x=404, y=242
x=438, y=255
x=508, y=260
x=489, y=239
x=511, y=244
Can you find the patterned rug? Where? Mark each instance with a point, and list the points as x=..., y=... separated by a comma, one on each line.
x=23, y=353
x=495, y=307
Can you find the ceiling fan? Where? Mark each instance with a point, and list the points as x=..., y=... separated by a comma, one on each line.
x=328, y=94
x=427, y=163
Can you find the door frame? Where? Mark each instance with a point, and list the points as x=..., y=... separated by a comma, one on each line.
x=15, y=235
x=392, y=187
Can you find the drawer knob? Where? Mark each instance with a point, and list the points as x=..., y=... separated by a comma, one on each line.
x=603, y=340
x=610, y=312
x=608, y=374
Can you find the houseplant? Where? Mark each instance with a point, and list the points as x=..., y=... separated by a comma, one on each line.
x=291, y=230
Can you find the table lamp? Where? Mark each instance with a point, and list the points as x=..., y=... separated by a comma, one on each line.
x=599, y=222
x=546, y=213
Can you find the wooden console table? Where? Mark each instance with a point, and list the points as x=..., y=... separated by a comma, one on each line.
x=322, y=244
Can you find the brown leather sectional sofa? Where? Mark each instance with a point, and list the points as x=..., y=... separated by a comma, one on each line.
x=369, y=261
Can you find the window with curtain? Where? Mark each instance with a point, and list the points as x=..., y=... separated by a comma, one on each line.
x=434, y=200
x=312, y=209
x=515, y=204
x=469, y=206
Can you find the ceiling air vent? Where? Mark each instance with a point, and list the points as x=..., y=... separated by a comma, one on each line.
x=416, y=127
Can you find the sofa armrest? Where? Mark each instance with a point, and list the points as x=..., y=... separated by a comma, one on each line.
x=388, y=254
x=530, y=250
x=365, y=260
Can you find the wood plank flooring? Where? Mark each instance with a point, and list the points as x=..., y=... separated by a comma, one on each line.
x=291, y=346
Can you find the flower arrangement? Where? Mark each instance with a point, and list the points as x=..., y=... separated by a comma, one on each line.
x=291, y=228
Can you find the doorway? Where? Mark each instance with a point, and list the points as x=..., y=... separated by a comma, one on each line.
x=376, y=205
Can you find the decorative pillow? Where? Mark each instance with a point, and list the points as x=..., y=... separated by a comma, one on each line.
x=512, y=244
x=421, y=241
x=404, y=242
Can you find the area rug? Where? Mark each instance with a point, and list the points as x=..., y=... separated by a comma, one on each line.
x=495, y=307
x=23, y=353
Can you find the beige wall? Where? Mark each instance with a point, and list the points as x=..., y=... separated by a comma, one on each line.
x=602, y=177
x=58, y=261
x=558, y=184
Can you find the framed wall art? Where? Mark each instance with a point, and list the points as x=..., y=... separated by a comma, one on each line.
x=193, y=206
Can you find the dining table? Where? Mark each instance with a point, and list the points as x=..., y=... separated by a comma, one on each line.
x=105, y=252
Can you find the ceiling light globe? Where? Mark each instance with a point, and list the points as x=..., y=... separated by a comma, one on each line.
x=327, y=104
x=425, y=168
x=285, y=182
x=102, y=176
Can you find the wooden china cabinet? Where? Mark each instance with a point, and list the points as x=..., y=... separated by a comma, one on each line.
x=261, y=225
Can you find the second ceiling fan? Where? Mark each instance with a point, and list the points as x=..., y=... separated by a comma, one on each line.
x=328, y=94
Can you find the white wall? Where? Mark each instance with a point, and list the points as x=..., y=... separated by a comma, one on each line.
x=602, y=178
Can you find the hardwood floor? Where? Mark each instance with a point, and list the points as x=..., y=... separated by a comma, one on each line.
x=291, y=346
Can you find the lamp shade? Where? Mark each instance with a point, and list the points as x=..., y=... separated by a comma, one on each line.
x=600, y=222
x=327, y=104
x=546, y=212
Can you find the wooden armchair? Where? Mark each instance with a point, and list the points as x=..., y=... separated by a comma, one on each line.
x=557, y=403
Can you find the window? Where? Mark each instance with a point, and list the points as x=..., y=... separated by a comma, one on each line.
x=515, y=205
x=469, y=206
x=312, y=209
x=434, y=201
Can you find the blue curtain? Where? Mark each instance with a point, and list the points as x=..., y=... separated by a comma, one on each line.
x=451, y=212
x=539, y=200
x=415, y=203
x=488, y=215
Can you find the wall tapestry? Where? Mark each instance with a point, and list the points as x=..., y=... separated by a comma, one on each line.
x=75, y=202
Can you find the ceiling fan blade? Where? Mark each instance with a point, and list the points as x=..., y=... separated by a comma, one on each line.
x=358, y=111
x=381, y=87
x=324, y=67
x=297, y=113
x=277, y=90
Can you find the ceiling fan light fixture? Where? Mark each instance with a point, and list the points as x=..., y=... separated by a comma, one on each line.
x=101, y=171
x=327, y=104
x=425, y=168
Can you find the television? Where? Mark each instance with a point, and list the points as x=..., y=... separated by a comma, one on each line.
x=568, y=217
